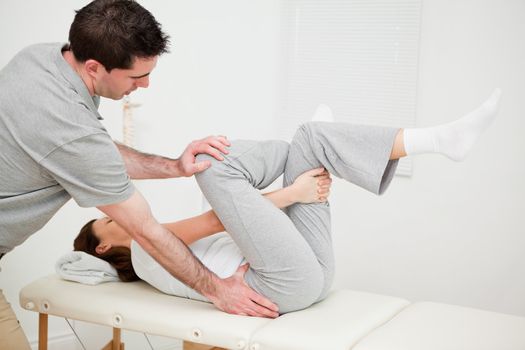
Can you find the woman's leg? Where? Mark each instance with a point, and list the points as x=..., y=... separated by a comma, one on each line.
x=292, y=261
x=367, y=156
x=454, y=139
x=293, y=265
x=359, y=154
x=283, y=267
x=398, y=149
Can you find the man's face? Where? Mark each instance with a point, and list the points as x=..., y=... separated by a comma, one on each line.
x=120, y=82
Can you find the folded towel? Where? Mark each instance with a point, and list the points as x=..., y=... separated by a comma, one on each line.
x=85, y=268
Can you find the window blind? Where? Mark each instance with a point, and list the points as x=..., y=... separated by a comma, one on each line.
x=360, y=57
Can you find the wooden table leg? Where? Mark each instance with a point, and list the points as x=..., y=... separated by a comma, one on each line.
x=115, y=343
x=42, y=331
x=187, y=345
x=116, y=339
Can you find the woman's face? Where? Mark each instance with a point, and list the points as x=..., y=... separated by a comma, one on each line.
x=110, y=234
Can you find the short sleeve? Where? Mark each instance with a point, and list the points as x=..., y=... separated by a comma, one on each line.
x=91, y=170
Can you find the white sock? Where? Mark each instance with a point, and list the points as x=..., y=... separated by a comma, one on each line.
x=323, y=113
x=456, y=138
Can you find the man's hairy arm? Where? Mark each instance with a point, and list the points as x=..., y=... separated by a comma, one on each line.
x=232, y=295
x=135, y=216
x=141, y=165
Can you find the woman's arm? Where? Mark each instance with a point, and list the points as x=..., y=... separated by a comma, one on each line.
x=197, y=227
x=311, y=187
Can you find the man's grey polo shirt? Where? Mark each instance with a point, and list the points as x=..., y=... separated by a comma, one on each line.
x=52, y=145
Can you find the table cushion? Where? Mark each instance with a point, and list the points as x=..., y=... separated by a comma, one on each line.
x=337, y=323
x=139, y=307
x=434, y=326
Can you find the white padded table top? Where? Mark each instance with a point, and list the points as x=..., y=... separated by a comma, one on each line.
x=138, y=306
x=336, y=323
x=434, y=326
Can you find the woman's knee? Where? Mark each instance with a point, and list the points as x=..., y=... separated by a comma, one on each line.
x=307, y=132
x=259, y=162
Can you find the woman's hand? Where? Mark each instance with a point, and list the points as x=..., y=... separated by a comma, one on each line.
x=312, y=186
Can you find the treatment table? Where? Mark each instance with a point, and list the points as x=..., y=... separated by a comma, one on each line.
x=345, y=320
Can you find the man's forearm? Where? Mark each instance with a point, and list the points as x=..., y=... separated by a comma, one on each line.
x=179, y=261
x=148, y=166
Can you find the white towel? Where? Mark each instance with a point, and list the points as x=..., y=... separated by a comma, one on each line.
x=85, y=268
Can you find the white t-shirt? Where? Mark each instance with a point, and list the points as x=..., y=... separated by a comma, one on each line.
x=218, y=253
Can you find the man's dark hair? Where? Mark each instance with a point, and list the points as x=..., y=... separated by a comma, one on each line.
x=115, y=32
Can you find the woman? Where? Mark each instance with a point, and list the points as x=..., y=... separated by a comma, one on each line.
x=105, y=239
x=290, y=252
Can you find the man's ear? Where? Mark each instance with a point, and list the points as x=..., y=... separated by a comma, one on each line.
x=102, y=248
x=94, y=68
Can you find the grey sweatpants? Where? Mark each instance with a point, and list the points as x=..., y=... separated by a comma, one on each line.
x=290, y=252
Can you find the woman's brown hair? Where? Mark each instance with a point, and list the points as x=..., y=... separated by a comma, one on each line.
x=118, y=257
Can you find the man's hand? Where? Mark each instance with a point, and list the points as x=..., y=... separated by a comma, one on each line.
x=212, y=145
x=234, y=296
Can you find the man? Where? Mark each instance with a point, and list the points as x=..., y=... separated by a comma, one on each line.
x=54, y=148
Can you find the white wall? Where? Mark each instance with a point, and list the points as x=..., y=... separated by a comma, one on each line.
x=453, y=232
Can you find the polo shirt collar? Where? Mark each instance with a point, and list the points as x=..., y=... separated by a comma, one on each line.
x=92, y=102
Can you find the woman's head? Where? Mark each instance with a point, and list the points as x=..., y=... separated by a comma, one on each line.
x=106, y=240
